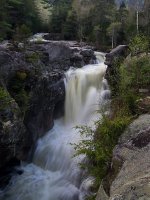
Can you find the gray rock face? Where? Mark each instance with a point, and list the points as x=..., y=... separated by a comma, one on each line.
x=132, y=151
x=33, y=76
x=14, y=138
x=113, y=60
x=119, y=51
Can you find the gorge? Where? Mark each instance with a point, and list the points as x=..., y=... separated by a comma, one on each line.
x=54, y=172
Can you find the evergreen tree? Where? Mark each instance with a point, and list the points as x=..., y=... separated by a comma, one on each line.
x=59, y=15
x=70, y=29
x=122, y=18
x=15, y=13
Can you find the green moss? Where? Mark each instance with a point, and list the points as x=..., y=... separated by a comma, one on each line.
x=21, y=75
x=5, y=99
x=33, y=57
x=17, y=88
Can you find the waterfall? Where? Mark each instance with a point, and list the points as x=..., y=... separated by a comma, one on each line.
x=54, y=173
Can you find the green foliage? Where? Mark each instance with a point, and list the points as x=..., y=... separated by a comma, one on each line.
x=33, y=58
x=128, y=77
x=21, y=75
x=5, y=99
x=59, y=15
x=136, y=74
x=18, y=15
x=98, y=145
x=18, y=90
x=70, y=29
x=139, y=44
x=22, y=33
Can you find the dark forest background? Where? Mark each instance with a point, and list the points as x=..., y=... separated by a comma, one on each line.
x=104, y=23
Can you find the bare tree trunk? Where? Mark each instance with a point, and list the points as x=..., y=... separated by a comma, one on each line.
x=137, y=16
x=137, y=21
x=113, y=38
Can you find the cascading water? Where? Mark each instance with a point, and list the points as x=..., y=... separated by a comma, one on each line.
x=54, y=173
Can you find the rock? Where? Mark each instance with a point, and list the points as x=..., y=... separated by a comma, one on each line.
x=101, y=195
x=113, y=61
x=53, y=36
x=14, y=138
x=133, y=150
x=143, y=105
x=43, y=106
x=87, y=52
x=119, y=51
x=4, y=57
x=143, y=90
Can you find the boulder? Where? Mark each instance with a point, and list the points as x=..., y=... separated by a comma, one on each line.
x=119, y=51
x=132, y=152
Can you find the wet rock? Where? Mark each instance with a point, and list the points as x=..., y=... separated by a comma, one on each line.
x=87, y=52
x=53, y=36
x=45, y=98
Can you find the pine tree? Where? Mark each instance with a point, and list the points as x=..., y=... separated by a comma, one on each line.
x=70, y=29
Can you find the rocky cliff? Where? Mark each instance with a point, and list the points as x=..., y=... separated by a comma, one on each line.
x=128, y=175
x=32, y=93
x=130, y=171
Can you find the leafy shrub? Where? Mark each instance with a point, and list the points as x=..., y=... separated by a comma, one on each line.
x=139, y=44
x=98, y=145
x=136, y=74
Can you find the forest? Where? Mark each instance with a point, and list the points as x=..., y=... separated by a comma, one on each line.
x=102, y=23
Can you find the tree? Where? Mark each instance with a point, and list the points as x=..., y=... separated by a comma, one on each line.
x=139, y=44
x=70, y=29
x=122, y=17
x=14, y=13
x=5, y=26
x=113, y=30
x=146, y=20
x=59, y=15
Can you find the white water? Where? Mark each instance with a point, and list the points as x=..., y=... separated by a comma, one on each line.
x=55, y=174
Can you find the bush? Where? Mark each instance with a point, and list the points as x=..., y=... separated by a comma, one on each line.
x=98, y=145
x=139, y=44
x=136, y=75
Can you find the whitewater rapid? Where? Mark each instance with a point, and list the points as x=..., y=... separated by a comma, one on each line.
x=55, y=173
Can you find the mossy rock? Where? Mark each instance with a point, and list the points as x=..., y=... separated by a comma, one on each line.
x=32, y=57
x=22, y=75
x=5, y=99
